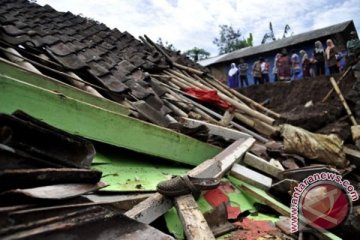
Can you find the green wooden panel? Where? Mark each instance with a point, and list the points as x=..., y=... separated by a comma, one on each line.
x=9, y=69
x=127, y=173
x=101, y=125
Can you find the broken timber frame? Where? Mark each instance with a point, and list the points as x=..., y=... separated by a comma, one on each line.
x=156, y=205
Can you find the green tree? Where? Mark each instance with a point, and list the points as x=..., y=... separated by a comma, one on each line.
x=166, y=45
x=197, y=54
x=249, y=40
x=230, y=40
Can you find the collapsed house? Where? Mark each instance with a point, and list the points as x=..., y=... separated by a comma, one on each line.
x=95, y=126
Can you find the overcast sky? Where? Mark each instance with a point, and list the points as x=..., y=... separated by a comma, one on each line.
x=195, y=23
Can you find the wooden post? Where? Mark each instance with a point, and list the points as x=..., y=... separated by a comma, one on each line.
x=193, y=221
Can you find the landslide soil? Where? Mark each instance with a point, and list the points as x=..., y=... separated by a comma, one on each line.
x=289, y=99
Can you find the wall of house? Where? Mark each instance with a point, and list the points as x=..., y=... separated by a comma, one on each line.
x=220, y=70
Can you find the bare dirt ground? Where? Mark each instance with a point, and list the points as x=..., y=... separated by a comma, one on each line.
x=289, y=99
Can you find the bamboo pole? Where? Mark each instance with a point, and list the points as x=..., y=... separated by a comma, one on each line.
x=240, y=106
x=217, y=87
x=259, y=126
x=178, y=101
x=249, y=100
x=343, y=101
x=219, y=116
x=189, y=69
x=177, y=74
x=159, y=49
x=175, y=109
x=205, y=115
x=337, y=82
x=184, y=105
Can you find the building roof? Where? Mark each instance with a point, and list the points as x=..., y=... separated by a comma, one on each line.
x=79, y=43
x=209, y=61
x=285, y=42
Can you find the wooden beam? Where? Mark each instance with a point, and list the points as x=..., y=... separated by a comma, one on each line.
x=352, y=152
x=261, y=165
x=250, y=176
x=193, y=221
x=217, y=130
x=156, y=205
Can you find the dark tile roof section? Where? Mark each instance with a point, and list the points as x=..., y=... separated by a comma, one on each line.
x=77, y=43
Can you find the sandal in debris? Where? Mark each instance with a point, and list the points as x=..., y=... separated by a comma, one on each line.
x=182, y=185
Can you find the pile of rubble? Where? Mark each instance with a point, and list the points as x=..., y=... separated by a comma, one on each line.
x=50, y=191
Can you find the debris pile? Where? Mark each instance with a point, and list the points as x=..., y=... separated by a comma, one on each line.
x=236, y=173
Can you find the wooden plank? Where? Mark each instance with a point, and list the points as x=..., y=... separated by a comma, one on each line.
x=261, y=164
x=99, y=124
x=250, y=176
x=156, y=205
x=193, y=221
x=352, y=152
x=217, y=130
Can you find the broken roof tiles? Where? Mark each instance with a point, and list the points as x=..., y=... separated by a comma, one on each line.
x=76, y=42
x=106, y=57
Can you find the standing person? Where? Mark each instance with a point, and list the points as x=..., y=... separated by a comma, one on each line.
x=312, y=68
x=275, y=70
x=243, y=67
x=265, y=67
x=233, y=80
x=305, y=64
x=330, y=57
x=295, y=66
x=319, y=59
x=256, y=72
x=353, y=45
x=284, y=66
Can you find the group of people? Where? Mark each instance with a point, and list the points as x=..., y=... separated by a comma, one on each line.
x=238, y=76
x=294, y=66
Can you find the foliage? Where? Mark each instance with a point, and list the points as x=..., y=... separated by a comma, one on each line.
x=197, y=54
x=166, y=45
x=230, y=40
x=249, y=40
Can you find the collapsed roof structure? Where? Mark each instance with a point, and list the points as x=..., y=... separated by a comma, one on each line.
x=140, y=108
